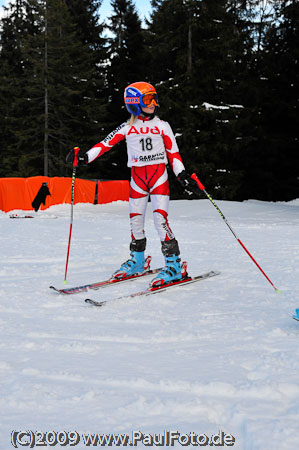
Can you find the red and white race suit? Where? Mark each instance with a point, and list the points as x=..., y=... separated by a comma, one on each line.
x=150, y=145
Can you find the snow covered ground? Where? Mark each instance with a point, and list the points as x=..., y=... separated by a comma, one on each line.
x=222, y=354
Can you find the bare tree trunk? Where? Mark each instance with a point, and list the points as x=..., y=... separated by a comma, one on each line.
x=189, y=61
x=46, y=122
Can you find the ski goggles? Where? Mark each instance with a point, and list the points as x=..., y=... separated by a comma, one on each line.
x=148, y=100
x=144, y=100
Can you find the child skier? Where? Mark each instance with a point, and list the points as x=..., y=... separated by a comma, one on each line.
x=150, y=146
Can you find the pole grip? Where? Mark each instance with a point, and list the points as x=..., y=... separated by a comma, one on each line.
x=76, y=151
x=200, y=185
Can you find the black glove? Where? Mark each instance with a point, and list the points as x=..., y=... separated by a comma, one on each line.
x=82, y=159
x=189, y=185
x=41, y=196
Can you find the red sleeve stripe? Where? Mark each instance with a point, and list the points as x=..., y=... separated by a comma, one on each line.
x=105, y=148
x=172, y=156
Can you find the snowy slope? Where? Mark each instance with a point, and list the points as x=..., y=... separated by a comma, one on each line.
x=221, y=354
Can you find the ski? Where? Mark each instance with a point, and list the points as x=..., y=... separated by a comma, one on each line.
x=296, y=315
x=153, y=290
x=109, y=282
x=19, y=216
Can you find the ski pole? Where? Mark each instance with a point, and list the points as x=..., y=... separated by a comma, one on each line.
x=75, y=164
x=202, y=188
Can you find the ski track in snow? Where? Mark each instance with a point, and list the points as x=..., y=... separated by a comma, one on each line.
x=219, y=354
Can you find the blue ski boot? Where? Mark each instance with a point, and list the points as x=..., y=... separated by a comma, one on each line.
x=136, y=263
x=172, y=270
x=296, y=315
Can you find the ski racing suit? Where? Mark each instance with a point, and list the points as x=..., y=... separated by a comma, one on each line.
x=150, y=146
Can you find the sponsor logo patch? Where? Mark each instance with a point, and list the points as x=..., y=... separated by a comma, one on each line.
x=132, y=92
x=148, y=158
x=131, y=100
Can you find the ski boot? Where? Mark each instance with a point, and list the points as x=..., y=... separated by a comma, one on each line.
x=172, y=270
x=136, y=264
x=296, y=315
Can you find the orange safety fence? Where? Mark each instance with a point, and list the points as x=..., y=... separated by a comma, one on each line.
x=19, y=193
x=111, y=191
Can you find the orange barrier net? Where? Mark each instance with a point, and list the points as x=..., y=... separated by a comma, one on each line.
x=111, y=191
x=19, y=193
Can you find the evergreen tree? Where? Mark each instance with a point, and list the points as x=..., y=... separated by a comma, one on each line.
x=126, y=53
x=56, y=107
x=128, y=63
x=275, y=160
x=167, y=37
x=85, y=16
x=203, y=65
x=225, y=71
x=14, y=26
x=90, y=30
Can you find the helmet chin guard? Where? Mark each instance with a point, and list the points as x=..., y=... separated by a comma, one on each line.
x=138, y=95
